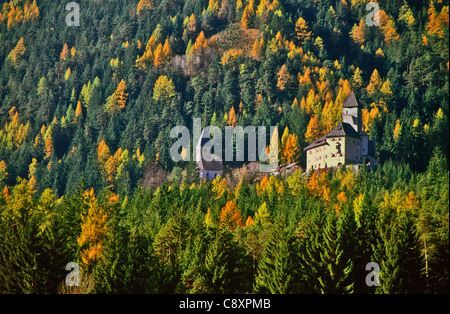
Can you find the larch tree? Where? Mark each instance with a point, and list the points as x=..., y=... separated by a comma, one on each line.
x=164, y=89
x=143, y=5
x=291, y=150
x=283, y=78
x=375, y=83
x=15, y=56
x=201, y=44
x=158, y=56
x=358, y=32
x=116, y=102
x=314, y=130
x=64, y=52
x=302, y=30
x=230, y=217
x=232, y=119
x=93, y=229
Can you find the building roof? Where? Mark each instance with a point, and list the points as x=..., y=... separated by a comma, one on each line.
x=216, y=163
x=319, y=142
x=343, y=129
x=362, y=133
x=350, y=102
x=213, y=165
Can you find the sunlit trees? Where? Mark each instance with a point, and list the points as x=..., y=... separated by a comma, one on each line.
x=164, y=89
x=117, y=101
x=302, y=30
x=15, y=56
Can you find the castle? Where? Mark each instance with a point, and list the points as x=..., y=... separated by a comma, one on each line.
x=346, y=144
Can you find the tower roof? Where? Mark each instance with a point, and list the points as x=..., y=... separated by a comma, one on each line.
x=350, y=102
x=343, y=129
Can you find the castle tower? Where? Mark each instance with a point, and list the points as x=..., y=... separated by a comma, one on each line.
x=352, y=113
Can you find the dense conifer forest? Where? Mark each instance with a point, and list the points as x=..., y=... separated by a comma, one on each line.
x=86, y=174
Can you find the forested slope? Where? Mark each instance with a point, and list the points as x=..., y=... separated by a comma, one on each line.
x=85, y=119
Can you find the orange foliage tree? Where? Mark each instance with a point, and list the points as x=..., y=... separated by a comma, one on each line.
x=230, y=217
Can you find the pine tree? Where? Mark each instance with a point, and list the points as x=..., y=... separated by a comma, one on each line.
x=278, y=267
x=227, y=268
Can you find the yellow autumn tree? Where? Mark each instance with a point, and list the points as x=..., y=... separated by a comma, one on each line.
x=232, y=119
x=406, y=15
x=255, y=49
x=48, y=147
x=283, y=78
x=358, y=32
x=143, y=4
x=78, y=112
x=93, y=229
x=314, y=130
x=201, y=44
x=397, y=130
x=302, y=30
x=118, y=99
x=15, y=56
x=67, y=74
x=163, y=89
x=375, y=82
x=158, y=56
x=3, y=171
x=219, y=187
x=291, y=150
x=103, y=154
x=167, y=51
x=437, y=22
x=262, y=215
x=230, y=217
x=245, y=19
x=64, y=52
x=368, y=117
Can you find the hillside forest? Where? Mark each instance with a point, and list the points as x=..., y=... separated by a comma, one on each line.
x=86, y=174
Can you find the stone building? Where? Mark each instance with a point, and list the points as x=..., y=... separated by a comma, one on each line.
x=208, y=169
x=346, y=144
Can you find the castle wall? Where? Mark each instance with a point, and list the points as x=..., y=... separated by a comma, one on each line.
x=352, y=150
x=317, y=157
x=337, y=151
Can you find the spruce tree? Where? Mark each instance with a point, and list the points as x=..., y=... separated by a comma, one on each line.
x=278, y=268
